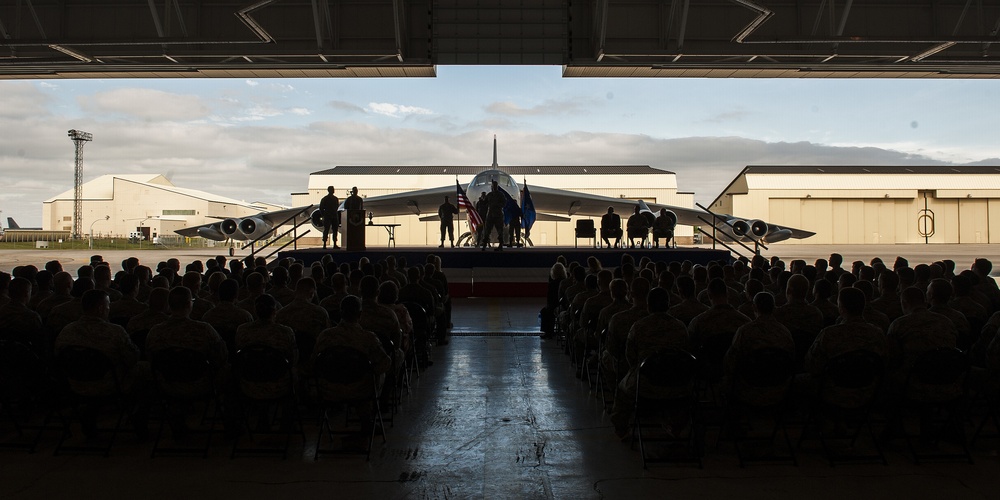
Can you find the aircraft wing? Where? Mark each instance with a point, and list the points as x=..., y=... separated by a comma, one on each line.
x=423, y=202
x=539, y=217
x=565, y=202
x=219, y=232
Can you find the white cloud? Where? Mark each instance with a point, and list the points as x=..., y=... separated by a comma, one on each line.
x=23, y=100
x=346, y=106
x=252, y=83
x=396, y=110
x=548, y=107
x=300, y=111
x=146, y=104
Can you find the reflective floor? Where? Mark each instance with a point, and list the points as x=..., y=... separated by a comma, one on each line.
x=495, y=417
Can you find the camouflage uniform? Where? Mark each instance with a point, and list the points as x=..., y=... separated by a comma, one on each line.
x=227, y=316
x=332, y=304
x=380, y=319
x=126, y=307
x=764, y=332
x=876, y=318
x=654, y=333
x=64, y=314
x=804, y=321
x=304, y=318
x=145, y=321
x=613, y=357
x=589, y=316
x=111, y=340
x=912, y=335
x=850, y=335
x=962, y=327
x=687, y=310
x=46, y=305
x=889, y=305
x=354, y=336
x=18, y=323
x=278, y=337
x=185, y=333
x=719, y=320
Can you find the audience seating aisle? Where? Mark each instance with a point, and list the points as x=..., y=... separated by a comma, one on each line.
x=727, y=407
x=857, y=361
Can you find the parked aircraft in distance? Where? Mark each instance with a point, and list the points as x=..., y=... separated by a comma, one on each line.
x=551, y=204
x=12, y=224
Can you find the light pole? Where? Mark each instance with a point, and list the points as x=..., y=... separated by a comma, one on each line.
x=79, y=138
x=106, y=217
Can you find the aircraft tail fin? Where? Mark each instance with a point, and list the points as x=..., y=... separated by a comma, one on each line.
x=11, y=224
x=495, y=151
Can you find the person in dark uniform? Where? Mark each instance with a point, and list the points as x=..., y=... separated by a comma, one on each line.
x=482, y=208
x=638, y=227
x=329, y=208
x=354, y=202
x=515, y=226
x=663, y=227
x=495, y=202
x=447, y=213
x=611, y=227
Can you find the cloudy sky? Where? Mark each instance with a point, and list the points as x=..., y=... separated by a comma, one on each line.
x=258, y=140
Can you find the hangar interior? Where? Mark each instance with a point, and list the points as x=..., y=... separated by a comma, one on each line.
x=628, y=181
x=871, y=204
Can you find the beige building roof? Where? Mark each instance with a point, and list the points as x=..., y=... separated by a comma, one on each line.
x=103, y=188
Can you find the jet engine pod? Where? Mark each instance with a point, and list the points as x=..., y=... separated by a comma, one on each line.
x=254, y=227
x=758, y=228
x=673, y=218
x=649, y=216
x=741, y=228
x=231, y=228
x=211, y=233
x=316, y=218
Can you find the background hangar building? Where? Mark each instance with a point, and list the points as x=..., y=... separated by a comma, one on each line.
x=627, y=181
x=871, y=204
x=146, y=203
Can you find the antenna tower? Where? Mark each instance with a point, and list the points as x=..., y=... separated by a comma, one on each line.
x=79, y=138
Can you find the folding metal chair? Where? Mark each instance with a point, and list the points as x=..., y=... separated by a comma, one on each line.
x=342, y=378
x=766, y=371
x=183, y=377
x=671, y=372
x=848, y=386
x=266, y=369
x=81, y=366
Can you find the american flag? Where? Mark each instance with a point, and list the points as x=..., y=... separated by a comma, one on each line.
x=463, y=201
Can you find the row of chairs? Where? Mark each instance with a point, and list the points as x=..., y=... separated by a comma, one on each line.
x=262, y=393
x=836, y=409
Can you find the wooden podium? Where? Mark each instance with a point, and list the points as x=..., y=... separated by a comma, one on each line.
x=354, y=230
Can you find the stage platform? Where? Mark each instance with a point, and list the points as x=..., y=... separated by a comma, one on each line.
x=513, y=272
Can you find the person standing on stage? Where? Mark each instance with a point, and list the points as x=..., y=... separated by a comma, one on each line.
x=481, y=208
x=495, y=202
x=515, y=226
x=354, y=202
x=329, y=208
x=447, y=213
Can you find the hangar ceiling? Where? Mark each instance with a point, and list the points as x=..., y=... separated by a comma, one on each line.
x=409, y=38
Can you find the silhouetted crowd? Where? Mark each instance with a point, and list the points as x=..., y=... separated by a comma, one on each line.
x=807, y=340
x=262, y=331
